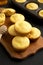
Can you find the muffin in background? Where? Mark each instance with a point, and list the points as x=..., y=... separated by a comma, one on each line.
x=3, y=2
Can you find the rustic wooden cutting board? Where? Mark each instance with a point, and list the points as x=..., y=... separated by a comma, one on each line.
x=32, y=49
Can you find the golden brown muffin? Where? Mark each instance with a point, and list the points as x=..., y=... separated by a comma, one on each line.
x=40, y=1
x=18, y=43
x=32, y=6
x=41, y=13
x=8, y=11
x=23, y=27
x=17, y=18
x=3, y=2
x=2, y=18
x=34, y=34
x=20, y=1
x=11, y=30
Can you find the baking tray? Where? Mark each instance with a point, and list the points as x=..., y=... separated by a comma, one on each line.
x=33, y=13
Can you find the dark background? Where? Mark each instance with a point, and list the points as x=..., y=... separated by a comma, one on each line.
x=36, y=59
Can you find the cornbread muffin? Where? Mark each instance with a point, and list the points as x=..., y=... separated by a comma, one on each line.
x=32, y=6
x=11, y=30
x=3, y=2
x=17, y=18
x=23, y=27
x=18, y=43
x=40, y=1
x=34, y=34
x=8, y=11
x=2, y=18
x=20, y=1
x=41, y=13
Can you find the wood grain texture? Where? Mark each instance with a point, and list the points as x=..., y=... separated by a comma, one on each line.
x=32, y=49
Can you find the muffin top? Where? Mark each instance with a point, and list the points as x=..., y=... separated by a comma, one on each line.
x=20, y=1
x=32, y=6
x=41, y=13
x=19, y=43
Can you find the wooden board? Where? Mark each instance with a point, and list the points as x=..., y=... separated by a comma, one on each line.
x=32, y=49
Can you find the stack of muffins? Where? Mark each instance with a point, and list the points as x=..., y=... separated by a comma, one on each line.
x=21, y=30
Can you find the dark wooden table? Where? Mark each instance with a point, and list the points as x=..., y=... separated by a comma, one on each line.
x=36, y=59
